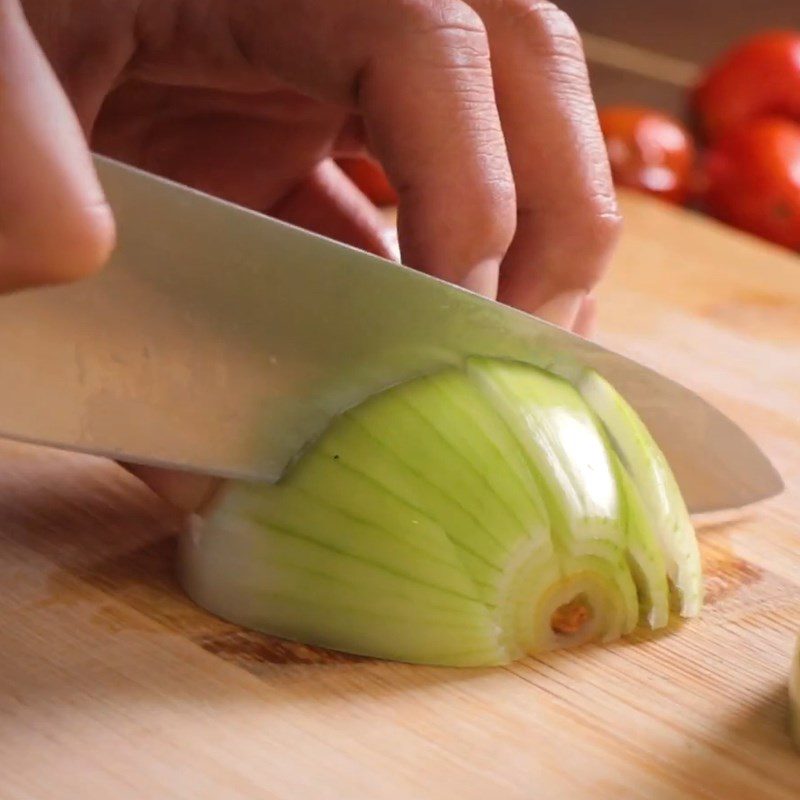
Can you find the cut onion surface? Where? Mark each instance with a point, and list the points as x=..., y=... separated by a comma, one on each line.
x=464, y=518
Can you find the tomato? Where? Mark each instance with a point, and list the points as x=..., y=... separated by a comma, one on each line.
x=753, y=180
x=649, y=151
x=369, y=176
x=757, y=78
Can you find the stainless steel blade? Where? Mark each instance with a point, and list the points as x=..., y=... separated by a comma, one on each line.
x=221, y=341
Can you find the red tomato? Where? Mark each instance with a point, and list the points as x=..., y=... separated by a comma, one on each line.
x=753, y=180
x=369, y=176
x=759, y=77
x=649, y=151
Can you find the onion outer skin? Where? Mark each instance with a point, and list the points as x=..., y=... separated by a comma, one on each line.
x=451, y=519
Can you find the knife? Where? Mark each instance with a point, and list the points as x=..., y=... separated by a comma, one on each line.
x=218, y=340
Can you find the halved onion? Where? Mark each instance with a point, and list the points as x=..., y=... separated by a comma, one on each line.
x=464, y=518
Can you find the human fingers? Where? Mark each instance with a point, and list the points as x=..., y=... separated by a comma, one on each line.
x=54, y=222
x=327, y=202
x=567, y=219
x=417, y=71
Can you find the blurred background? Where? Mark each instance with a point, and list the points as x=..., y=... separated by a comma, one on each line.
x=652, y=52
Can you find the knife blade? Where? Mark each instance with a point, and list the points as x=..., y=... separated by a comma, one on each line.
x=218, y=340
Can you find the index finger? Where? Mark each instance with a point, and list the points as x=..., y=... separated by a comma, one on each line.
x=418, y=71
x=431, y=115
x=567, y=214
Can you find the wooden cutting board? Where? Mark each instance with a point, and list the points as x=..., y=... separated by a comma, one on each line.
x=113, y=685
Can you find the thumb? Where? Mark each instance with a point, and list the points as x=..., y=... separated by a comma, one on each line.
x=54, y=222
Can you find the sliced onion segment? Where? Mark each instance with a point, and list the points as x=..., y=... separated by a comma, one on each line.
x=464, y=518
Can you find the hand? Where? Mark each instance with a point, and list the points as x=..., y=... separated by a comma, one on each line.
x=480, y=112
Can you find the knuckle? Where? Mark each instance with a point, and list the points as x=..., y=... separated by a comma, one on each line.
x=496, y=219
x=450, y=23
x=493, y=194
x=552, y=28
x=548, y=18
x=577, y=246
x=481, y=228
x=593, y=241
x=601, y=231
x=492, y=219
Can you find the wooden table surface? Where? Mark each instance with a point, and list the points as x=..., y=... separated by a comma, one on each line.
x=113, y=685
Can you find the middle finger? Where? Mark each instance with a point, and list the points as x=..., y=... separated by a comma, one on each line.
x=567, y=215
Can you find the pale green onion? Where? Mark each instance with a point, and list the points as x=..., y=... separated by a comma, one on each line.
x=463, y=518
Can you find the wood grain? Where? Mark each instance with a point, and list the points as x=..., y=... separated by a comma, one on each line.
x=113, y=685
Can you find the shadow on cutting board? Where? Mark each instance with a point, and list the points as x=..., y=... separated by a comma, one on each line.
x=108, y=549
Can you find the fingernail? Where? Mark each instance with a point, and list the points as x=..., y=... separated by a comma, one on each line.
x=562, y=309
x=483, y=278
